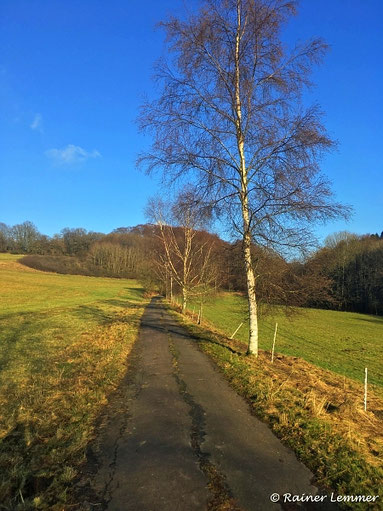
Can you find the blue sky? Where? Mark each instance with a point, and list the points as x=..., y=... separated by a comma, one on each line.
x=73, y=74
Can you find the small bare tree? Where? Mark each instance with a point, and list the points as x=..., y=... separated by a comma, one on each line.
x=185, y=256
x=230, y=117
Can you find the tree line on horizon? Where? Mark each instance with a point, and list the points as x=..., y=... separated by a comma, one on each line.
x=344, y=274
x=231, y=132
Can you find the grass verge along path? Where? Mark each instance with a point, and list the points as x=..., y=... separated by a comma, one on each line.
x=343, y=342
x=318, y=413
x=64, y=341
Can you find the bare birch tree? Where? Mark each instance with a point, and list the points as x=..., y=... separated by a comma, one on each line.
x=185, y=257
x=230, y=118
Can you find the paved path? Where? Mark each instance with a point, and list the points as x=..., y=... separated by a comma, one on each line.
x=178, y=438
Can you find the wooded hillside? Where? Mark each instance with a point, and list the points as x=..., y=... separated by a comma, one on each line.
x=344, y=274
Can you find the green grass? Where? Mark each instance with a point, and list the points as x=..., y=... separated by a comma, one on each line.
x=64, y=341
x=336, y=462
x=342, y=342
x=27, y=290
x=318, y=413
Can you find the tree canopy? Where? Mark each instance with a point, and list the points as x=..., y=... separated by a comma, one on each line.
x=230, y=118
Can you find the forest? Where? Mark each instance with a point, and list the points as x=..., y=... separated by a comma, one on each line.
x=345, y=274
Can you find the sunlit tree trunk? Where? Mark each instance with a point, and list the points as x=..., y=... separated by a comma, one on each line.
x=184, y=299
x=251, y=294
x=230, y=117
x=250, y=278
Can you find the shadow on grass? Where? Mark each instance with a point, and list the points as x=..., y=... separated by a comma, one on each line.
x=121, y=303
x=101, y=316
x=94, y=314
x=26, y=336
x=368, y=319
x=235, y=350
x=35, y=343
x=138, y=290
x=190, y=331
x=16, y=339
x=21, y=487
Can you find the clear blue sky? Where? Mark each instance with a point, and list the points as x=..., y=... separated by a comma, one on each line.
x=72, y=77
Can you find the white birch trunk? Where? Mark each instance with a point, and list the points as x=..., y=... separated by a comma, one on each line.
x=250, y=277
x=253, y=309
x=184, y=300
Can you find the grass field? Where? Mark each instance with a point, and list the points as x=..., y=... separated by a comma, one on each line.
x=312, y=396
x=64, y=341
x=342, y=342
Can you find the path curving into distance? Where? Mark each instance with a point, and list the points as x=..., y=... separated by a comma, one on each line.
x=178, y=438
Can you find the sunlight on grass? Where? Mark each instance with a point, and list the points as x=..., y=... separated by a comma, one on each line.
x=64, y=342
x=343, y=342
x=316, y=412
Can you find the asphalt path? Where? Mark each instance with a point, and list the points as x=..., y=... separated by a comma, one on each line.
x=177, y=437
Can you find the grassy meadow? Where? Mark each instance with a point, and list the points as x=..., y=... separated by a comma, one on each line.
x=312, y=395
x=63, y=345
x=342, y=342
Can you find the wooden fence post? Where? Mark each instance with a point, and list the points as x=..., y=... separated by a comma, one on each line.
x=236, y=331
x=275, y=336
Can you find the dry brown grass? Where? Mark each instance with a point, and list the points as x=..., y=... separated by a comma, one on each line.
x=335, y=399
x=64, y=343
x=319, y=413
x=54, y=419
x=12, y=264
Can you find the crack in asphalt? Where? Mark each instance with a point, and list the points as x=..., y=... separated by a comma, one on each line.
x=107, y=493
x=196, y=456
x=133, y=388
x=221, y=495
